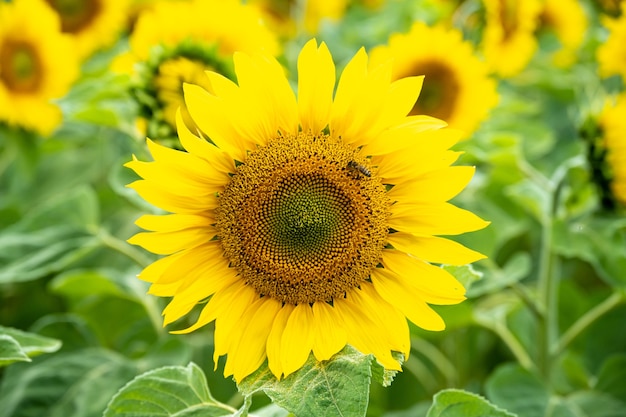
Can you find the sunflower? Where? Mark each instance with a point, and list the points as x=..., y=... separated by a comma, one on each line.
x=306, y=223
x=31, y=73
x=287, y=16
x=567, y=20
x=456, y=88
x=94, y=24
x=168, y=54
x=509, y=36
x=612, y=53
x=607, y=153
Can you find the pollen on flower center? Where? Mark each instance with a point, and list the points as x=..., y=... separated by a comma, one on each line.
x=301, y=222
x=20, y=69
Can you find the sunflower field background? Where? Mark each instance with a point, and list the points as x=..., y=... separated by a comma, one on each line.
x=537, y=87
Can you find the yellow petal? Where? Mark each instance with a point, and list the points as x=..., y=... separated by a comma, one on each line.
x=434, y=219
x=248, y=352
x=211, y=114
x=435, y=186
x=427, y=282
x=166, y=243
x=330, y=335
x=405, y=134
x=219, y=160
x=152, y=272
x=414, y=308
x=316, y=83
x=434, y=249
x=173, y=222
x=154, y=194
x=363, y=332
x=297, y=339
x=412, y=162
x=350, y=83
x=274, y=341
x=188, y=261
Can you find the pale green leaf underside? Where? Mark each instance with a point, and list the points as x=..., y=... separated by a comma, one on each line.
x=20, y=346
x=459, y=403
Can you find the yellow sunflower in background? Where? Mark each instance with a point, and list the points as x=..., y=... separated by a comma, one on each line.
x=509, y=41
x=306, y=223
x=168, y=54
x=37, y=64
x=567, y=20
x=457, y=87
x=290, y=17
x=94, y=24
x=612, y=122
x=611, y=54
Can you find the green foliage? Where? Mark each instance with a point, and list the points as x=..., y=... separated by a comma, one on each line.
x=338, y=387
x=19, y=346
x=459, y=403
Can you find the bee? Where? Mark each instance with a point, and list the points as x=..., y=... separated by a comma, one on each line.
x=360, y=169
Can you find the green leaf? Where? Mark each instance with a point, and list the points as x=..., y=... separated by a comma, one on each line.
x=83, y=283
x=19, y=346
x=459, y=403
x=338, y=387
x=169, y=391
x=516, y=269
x=77, y=383
x=532, y=197
x=517, y=390
x=11, y=351
x=612, y=376
x=466, y=274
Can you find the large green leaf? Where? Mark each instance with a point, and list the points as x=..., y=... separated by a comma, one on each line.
x=517, y=390
x=19, y=346
x=612, y=377
x=169, y=391
x=338, y=387
x=72, y=384
x=459, y=403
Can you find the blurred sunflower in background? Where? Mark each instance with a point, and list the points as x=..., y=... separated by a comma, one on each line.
x=567, y=21
x=611, y=54
x=457, y=87
x=306, y=223
x=508, y=40
x=166, y=54
x=37, y=65
x=290, y=17
x=94, y=24
x=607, y=152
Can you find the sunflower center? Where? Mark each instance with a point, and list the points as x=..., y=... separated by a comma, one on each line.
x=76, y=15
x=303, y=219
x=20, y=67
x=439, y=92
x=508, y=18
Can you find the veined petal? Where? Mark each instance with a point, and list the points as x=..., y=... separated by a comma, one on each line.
x=274, y=340
x=434, y=186
x=351, y=81
x=166, y=243
x=363, y=332
x=330, y=334
x=297, y=339
x=219, y=160
x=212, y=115
x=427, y=282
x=409, y=133
x=316, y=83
x=434, y=249
x=434, y=219
x=169, y=201
x=248, y=352
x=408, y=301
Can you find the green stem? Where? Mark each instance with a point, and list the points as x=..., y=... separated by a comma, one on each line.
x=122, y=247
x=440, y=360
x=587, y=320
x=515, y=346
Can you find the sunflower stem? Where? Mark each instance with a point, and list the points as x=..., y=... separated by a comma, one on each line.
x=514, y=346
x=587, y=320
x=122, y=247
